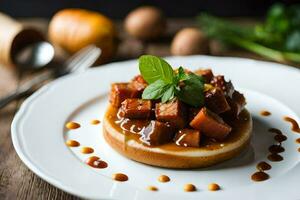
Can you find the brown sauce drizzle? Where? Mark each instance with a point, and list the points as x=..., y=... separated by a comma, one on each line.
x=72, y=125
x=298, y=140
x=298, y=149
x=72, y=143
x=152, y=188
x=120, y=177
x=189, y=187
x=87, y=150
x=275, y=149
x=163, y=178
x=295, y=125
x=265, y=113
x=95, y=122
x=213, y=187
x=263, y=166
x=274, y=157
x=96, y=162
x=260, y=176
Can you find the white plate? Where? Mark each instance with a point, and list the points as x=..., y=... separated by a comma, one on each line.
x=39, y=136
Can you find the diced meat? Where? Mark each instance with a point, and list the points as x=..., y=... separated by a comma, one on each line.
x=157, y=133
x=226, y=87
x=120, y=92
x=134, y=108
x=216, y=101
x=207, y=74
x=138, y=84
x=237, y=104
x=210, y=124
x=188, y=138
x=192, y=113
x=173, y=112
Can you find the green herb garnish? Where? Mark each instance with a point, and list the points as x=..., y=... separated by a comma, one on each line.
x=164, y=83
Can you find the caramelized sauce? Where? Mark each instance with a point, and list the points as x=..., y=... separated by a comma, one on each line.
x=120, y=177
x=152, y=188
x=72, y=125
x=275, y=157
x=263, y=166
x=295, y=126
x=265, y=113
x=95, y=162
x=72, y=143
x=298, y=140
x=163, y=178
x=189, y=188
x=275, y=130
x=276, y=149
x=280, y=138
x=213, y=187
x=132, y=128
x=95, y=122
x=260, y=176
x=87, y=150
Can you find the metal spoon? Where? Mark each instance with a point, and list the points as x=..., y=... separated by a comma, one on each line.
x=36, y=55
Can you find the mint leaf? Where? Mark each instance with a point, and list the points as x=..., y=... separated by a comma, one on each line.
x=153, y=68
x=155, y=90
x=181, y=76
x=169, y=94
x=192, y=92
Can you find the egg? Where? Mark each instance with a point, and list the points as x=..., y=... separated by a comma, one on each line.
x=189, y=41
x=146, y=22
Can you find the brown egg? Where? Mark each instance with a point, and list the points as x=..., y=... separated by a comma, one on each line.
x=189, y=41
x=146, y=22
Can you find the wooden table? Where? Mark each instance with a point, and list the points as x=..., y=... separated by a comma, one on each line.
x=16, y=180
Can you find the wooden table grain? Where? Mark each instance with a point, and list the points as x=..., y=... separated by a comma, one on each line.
x=16, y=180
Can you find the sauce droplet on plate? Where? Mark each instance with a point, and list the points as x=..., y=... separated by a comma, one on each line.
x=263, y=166
x=96, y=162
x=280, y=138
x=265, y=113
x=163, y=178
x=298, y=140
x=276, y=149
x=275, y=157
x=152, y=188
x=72, y=125
x=87, y=150
x=275, y=130
x=213, y=187
x=295, y=125
x=189, y=187
x=95, y=122
x=260, y=176
x=298, y=149
x=72, y=143
x=120, y=177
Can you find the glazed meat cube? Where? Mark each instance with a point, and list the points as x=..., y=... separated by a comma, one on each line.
x=157, y=133
x=120, y=92
x=138, y=84
x=136, y=108
x=192, y=113
x=226, y=87
x=207, y=74
x=173, y=112
x=237, y=103
x=188, y=138
x=216, y=101
x=210, y=124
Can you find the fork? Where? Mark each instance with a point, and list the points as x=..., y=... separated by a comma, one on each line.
x=77, y=63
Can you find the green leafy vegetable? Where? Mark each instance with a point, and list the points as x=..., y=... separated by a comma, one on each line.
x=153, y=68
x=277, y=38
x=165, y=84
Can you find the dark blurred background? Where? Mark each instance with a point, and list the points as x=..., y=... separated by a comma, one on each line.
x=118, y=9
